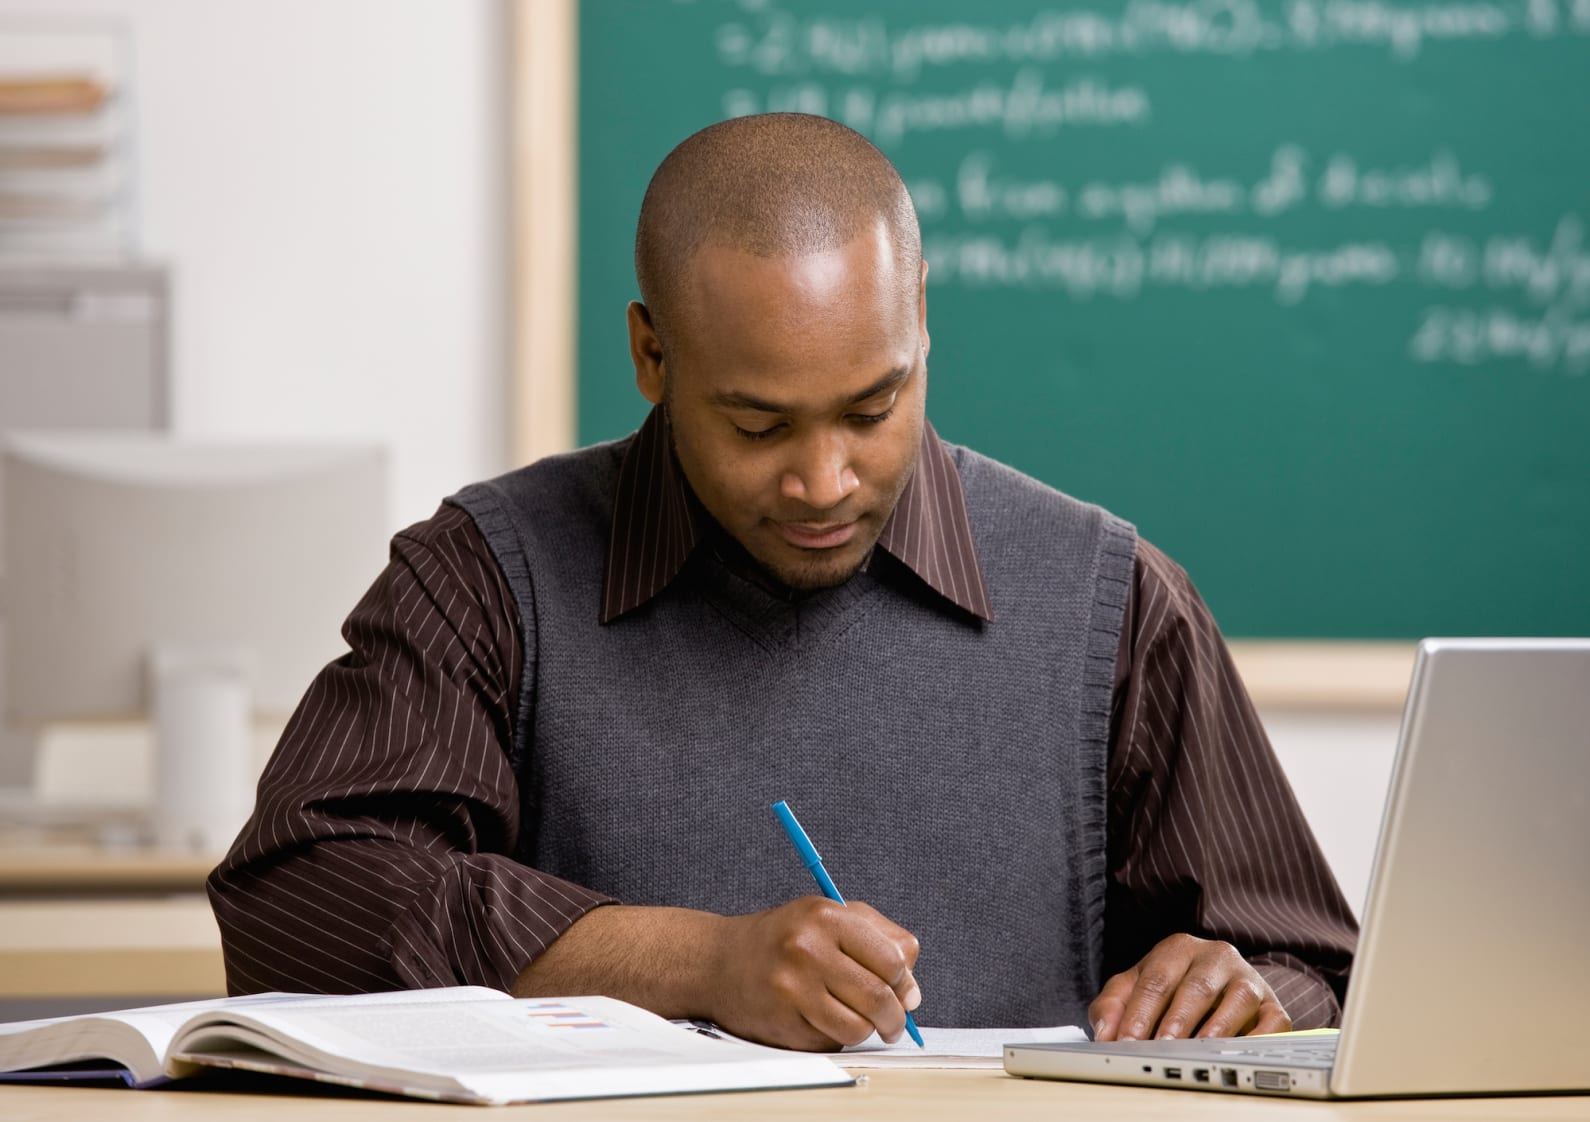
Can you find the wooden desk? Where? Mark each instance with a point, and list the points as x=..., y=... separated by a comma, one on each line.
x=888, y=1096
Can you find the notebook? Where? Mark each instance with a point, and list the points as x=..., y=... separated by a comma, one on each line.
x=1471, y=976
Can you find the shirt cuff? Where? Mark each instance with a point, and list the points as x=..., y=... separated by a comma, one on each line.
x=1302, y=991
x=483, y=922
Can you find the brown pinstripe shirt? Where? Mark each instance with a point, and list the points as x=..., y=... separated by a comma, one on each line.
x=378, y=855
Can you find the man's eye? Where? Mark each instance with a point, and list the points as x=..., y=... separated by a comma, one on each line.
x=873, y=418
x=756, y=434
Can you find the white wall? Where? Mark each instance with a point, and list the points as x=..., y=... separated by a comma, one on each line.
x=327, y=181
x=1339, y=765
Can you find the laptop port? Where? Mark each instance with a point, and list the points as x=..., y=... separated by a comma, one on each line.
x=1228, y=1077
x=1272, y=1081
x=1173, y=1073
x=1200, y=1075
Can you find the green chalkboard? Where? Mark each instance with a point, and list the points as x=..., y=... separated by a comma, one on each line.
x=1302, y=289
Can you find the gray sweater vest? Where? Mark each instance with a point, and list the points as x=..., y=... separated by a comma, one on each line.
x=951, y=772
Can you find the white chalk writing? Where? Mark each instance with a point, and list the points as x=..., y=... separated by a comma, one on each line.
x=1553, y=273
x=984, y=191
x=1188, y=206
x=1122, y=267
x=778, y=43
x=1440, y=182
x=1022, y=107
x=1555, y=339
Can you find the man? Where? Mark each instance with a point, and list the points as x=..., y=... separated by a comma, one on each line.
x=1011, y=725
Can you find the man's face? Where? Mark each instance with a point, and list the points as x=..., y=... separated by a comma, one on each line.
x=796, y=391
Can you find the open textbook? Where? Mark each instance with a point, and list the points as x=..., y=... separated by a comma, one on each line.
x=463, y=1044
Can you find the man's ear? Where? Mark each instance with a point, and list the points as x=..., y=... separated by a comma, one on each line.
x=921, y=311
x=645, y=351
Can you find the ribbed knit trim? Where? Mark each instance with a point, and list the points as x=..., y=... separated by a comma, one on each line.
x=1117, y=558
x=485, y=504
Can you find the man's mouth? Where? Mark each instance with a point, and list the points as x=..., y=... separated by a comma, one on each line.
x=816, y=535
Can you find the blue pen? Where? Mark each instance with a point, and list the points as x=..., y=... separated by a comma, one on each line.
x=814, y=863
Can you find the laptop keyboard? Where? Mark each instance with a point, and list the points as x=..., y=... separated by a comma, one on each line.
x=1303, y=1050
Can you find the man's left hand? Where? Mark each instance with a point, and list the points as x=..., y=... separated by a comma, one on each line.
x=1187, y=986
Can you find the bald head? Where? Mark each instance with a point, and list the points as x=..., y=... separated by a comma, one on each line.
x=775, y=185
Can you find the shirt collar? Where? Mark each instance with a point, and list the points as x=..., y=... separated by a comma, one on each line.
x=655, y=525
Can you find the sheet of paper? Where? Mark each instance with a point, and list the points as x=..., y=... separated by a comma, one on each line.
x=942, y=1047
x=951, y=1047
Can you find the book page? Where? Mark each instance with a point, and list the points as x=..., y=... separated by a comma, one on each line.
x=138, y=1039
x=135, y=1039
x=504, y=1051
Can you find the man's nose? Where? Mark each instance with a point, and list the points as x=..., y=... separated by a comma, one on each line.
x=821, y=476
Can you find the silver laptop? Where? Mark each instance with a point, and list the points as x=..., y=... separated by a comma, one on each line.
x=1473, y=971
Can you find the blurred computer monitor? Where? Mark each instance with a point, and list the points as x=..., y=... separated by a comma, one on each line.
x=82, y=346
x=196, y=584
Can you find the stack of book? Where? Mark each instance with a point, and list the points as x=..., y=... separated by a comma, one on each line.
x=66, y=184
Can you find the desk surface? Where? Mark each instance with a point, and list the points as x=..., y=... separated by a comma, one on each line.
x=895, y=1096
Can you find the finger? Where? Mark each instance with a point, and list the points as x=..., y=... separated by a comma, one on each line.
x=1104, y=1014
x=802, y=1020
x=899, y=936
x=909, y=993
x=1272, y=1018
x=904, y=985
x=837, y=1021
x=1237, y=1008
x=866, y=995
x=881, y=947
x=1203, y=988
x=1158, y=978
x=798, y=1035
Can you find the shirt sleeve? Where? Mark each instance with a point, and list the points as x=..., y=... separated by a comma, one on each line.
x=1205, y=834
x=379, y=854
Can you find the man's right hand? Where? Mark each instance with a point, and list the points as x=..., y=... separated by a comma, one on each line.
x=816, y=975
x=810, y=974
